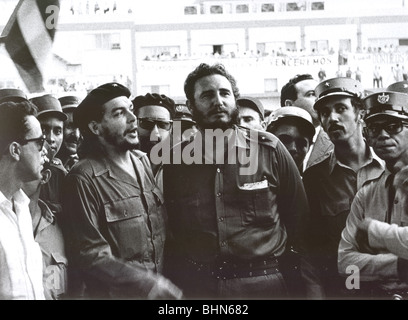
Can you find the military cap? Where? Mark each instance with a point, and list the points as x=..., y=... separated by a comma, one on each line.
x=48, y=105
x=340, y=86
x=295, y=113
x=154, y=99
x=253, y=103
x=400, y=86
x=183, y=113
x=68, y=103
x=93, y=102
x=386, y=103
x=13, y=95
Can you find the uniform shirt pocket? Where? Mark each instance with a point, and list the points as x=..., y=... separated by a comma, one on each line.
x=127, y=227
x=257, y=205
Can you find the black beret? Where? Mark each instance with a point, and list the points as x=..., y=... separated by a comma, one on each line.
x=386, y=103
x=92, y=104
x=68, y=103
x=11, y=94
x=154, y=99
x=48, y=105
x=340, y=86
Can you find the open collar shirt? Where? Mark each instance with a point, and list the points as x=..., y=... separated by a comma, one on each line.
x=21, y=265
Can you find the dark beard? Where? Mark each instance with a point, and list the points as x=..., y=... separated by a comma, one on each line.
x=123, y=146
x=203, y=124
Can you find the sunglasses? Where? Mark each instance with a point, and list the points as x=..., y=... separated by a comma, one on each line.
x=374, y=129
x=150, y=123
x=39, y=141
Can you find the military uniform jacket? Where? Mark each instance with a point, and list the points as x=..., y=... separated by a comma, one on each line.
x=117, y=224
x=320, y=149
x=219, y=211
x=49, y=236
x=51, y=191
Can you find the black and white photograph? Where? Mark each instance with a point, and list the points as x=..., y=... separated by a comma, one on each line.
x=203, y=154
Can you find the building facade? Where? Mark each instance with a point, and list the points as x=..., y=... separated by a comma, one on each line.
x=151, y=46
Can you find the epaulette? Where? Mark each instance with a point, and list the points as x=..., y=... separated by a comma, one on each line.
x=262, y=137
x=57, y=163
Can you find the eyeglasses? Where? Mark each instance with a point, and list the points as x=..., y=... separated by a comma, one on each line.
x=150, y=123
x=39, y=141
x=374, y=129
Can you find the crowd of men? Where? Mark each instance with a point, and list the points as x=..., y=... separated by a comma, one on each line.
x=115, y=196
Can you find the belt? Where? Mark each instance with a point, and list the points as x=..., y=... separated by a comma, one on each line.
x=225, y=269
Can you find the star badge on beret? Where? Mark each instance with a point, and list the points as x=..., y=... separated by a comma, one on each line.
x=327, y=84
x=179, y=108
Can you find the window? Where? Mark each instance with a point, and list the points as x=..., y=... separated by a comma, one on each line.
x=115, y=40
x=317, y=5
x=217, y=49
x=242, y=8
x=103, y=41
x=190, y=10
x=403, y=42
x=216, y=9
x=267, y=7
x=296, y=6
x=319, y=46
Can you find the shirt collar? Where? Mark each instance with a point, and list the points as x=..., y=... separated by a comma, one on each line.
x=19, y=197
x=372, y=159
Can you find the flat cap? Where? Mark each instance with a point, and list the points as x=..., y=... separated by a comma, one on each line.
x=295, y=113
x=400, y=86
x=93, y=102
x=340, y=86
x=253, y=103
x=386, y=103
x=69, y=103
x=48, y=105
x=154, y=99
x=183, y=113
x=13, y=95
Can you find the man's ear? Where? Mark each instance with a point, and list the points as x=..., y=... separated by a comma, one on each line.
x=189, y=106
x=14, y=150
x=362, y=113
x=263, y=124
x=45, y=176
x=288, y=102
x=94, y=127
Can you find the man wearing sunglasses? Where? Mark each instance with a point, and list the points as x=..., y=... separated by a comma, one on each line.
x=332, y=183
x=380, y=271
x=22, y=158
x=115, y=209
x=154, y=114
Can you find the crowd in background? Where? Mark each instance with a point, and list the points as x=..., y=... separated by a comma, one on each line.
x=114, y=196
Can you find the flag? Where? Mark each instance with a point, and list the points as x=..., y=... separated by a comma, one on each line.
x=28, y=38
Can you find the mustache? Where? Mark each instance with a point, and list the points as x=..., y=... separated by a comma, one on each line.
x=335, y=127
x=72, y=139
x=218, y=109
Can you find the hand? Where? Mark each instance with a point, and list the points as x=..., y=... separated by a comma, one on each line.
x=165, y=289
x=362, y=236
